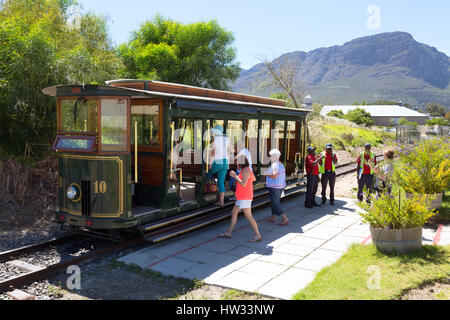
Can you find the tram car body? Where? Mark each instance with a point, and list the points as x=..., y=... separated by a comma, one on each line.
x=117, y=146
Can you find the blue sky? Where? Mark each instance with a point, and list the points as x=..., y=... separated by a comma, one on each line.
x=273, y=27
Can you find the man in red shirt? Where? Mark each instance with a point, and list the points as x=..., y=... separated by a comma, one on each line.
x=328, y=170
x=312, y=177
x=366, y=163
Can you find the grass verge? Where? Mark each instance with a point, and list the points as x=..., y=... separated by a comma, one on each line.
x=349, y=277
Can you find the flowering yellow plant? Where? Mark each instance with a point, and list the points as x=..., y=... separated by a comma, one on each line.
x=389, y=212
x=425, y=168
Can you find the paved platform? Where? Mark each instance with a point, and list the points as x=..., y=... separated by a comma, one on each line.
x=285, y=261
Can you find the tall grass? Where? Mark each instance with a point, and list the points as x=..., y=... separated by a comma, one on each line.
x=343, y=134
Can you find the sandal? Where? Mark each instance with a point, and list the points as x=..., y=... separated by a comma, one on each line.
x=271, y=221
x=225, y=235
x=282, y=224
x=255, y=239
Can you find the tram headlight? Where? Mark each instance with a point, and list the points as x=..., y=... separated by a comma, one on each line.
x=71, y=193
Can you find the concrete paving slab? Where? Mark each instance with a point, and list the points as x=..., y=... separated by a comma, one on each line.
x=244, y=281
x=312, y=264
x=264, y=268
x=294, y=249
x=278, y=288
x=173, y=266
x=280, y=258
x=303, y=240
x=301, y=277
x=327, y=255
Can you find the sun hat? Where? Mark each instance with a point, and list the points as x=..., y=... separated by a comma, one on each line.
x=245, y=153
x=217, y=130
x=275, y=152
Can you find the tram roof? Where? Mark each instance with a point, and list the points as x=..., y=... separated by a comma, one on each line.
x=184, y=95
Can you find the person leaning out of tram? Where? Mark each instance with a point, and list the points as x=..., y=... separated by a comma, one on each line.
x=276, y=182
x=221, y=149
x=244, y=195
x=312, y=177
x=327, y=169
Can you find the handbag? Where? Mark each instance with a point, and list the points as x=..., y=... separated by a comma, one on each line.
x=210, y=186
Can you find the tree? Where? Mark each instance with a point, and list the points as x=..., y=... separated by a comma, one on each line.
x=360, y=116
x=284, y=75
x=40, y=48
x=199, y=54
x=435, y=109
x=337, y=114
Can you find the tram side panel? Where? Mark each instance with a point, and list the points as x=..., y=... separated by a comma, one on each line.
x=93, y=191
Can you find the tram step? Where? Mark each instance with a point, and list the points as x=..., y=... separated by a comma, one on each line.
x=155, y=237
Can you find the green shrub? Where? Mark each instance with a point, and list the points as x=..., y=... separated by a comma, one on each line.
x=360, y=116
x=337, y=114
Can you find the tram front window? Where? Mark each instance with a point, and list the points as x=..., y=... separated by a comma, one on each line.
x=78, y=115
x=114, y=125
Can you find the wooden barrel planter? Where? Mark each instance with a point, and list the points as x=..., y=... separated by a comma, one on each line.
x=436, y=203
x=397, y=240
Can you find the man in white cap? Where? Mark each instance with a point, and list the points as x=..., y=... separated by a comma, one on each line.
x=276, y=182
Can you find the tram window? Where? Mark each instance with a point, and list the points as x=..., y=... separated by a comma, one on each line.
x=251, y=141
x=236, y=135
x=264, y=142
x=78, y=115
x=278, y=137
x=147, y=118
x=114, y=125
x=292, y=143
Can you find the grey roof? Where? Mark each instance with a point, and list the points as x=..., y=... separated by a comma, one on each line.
x=392, y=111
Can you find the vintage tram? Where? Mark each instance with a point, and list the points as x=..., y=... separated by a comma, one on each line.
x=119, y=147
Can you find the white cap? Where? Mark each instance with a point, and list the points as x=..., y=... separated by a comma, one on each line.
x=275, y=152
x=246, y=153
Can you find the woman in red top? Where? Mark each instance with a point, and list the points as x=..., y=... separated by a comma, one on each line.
x=244, y=196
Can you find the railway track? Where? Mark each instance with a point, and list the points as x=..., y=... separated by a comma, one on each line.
x=31, y=272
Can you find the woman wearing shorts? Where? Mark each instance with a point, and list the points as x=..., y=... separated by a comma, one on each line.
x=244, y=195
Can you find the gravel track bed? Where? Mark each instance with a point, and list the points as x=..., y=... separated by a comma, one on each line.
x=46, y=257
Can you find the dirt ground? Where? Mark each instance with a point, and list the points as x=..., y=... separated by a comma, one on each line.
x=437, y=291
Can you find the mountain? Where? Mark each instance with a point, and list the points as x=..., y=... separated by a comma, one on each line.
x=386, y=66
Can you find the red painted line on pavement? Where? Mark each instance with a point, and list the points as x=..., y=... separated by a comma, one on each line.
x=366, y=239
x=437, y=237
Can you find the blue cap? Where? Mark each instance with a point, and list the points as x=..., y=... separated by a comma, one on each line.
x=310, y=148
x=217, y=130
x=329, y=146
x=368, y=145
